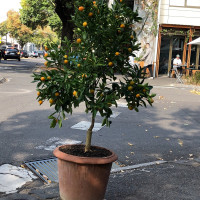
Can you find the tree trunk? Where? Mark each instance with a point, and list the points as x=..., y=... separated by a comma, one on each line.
x=89, y=136
x=64, y=9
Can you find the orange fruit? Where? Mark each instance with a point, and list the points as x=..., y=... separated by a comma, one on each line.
x=81, y=8
x=49, y=78
x=84, y=75
x=66, y=61
x=94, y=2
x=84, y=24
x=57, y=94
x=122, y=26
x=75, y=93
x=65, y=56
x=78, y=40
x=131, y=36
x=40, y=102
x=129, y=49
x=121, y=1
x=91, y=91
x=144, y=90
x=78, y=65
x=46, y=48
x=137, y=95
x=51, y=101
x=117, y=53
x=90, y=14
x=46, y=55
x=132, y=82
x=38, y=93
x=101, y=94
x=42, y=78
x=130, y=88
x=110, y=64
x=46, y=63
x=130, y=107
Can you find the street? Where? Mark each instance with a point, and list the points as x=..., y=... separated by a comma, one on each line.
x=167, y=131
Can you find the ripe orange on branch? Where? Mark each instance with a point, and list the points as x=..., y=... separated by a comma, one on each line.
x=110, y=64
x=117, y=53
x=75, y=93
x=90, y=14
x=46, y=63
x=137, y=95
x=46, y=48
x=130, y=88
x=85, y=24
x=51, y=101
x=57, y=94
x=66, y=61
x=38, y=93
x=42, y=78
x=40, y=102
x=78, y=40
x=81, y=8
x=122, y=26
x=46, y=55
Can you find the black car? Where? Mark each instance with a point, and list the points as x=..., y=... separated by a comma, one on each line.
x=24, y=53
x=11, y=53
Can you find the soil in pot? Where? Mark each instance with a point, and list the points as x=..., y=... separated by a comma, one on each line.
x=79, y=150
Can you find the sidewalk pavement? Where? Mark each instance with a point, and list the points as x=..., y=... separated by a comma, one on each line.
x=178, y=180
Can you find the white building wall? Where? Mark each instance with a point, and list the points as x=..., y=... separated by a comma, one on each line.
x=178, y=13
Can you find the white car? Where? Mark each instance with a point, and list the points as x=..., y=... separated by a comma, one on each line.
x=33, y=54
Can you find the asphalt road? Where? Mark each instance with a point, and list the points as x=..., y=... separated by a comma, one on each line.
x=169, y=130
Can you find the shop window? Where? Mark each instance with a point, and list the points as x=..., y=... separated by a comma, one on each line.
x=193, y=3
x=177, y=2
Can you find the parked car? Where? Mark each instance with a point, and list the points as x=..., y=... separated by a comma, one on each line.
x=40, y=53
x=11, y=53
x=24, y=53
x=34, y=54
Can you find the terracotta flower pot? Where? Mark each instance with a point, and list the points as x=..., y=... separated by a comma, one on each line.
x=83, y=178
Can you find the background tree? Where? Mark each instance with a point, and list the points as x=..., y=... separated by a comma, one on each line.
x=55, y=13
x=16, y=29
x=3, y=28
x=44, y=36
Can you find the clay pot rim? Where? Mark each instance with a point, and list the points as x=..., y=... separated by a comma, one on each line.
x=85, y=160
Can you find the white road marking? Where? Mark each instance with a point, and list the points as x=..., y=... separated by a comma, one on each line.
x=114, y=115
x=137, y=166
x=53, y=142
x=12, y=177
x=84, y=125
x=21, y=91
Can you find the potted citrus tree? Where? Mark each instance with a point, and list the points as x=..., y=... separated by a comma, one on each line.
x=84, y=71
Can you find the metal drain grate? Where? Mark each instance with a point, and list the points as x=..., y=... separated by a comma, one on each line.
x=45, y=169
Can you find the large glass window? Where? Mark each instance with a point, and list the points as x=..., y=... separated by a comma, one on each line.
x=185, y=3
x=177, y=3
x=193, y=3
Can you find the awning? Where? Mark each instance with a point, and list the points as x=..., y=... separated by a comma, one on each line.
x=196, y=41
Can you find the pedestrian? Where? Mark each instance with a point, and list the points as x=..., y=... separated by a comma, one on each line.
x=177, y=64
x=148, y=60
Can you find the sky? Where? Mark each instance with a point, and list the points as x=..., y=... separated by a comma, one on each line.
x=6, y=5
